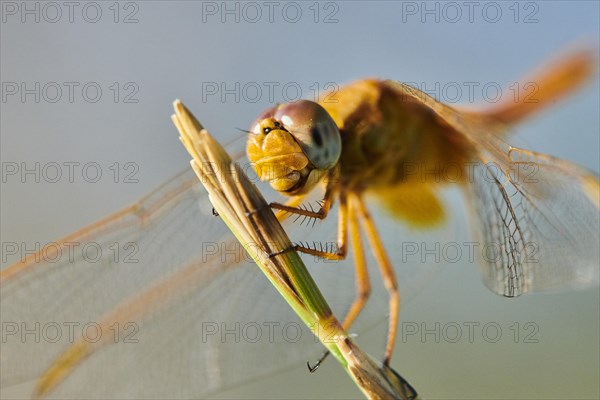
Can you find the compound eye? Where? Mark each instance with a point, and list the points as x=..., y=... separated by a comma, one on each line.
x=314, y=129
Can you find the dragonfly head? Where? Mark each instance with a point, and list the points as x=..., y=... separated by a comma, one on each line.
x=293, y=146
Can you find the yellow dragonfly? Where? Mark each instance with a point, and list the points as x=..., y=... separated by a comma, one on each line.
x=174, y=309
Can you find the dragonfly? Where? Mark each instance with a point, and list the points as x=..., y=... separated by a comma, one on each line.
x=162, y=311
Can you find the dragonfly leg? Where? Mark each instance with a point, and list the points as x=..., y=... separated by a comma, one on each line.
x=363, y=284
x=313, y=368
x=342, y=245
x=281, y=215
x=348, y=211
x=282, y=209
x=294, y=202
x=387, y=273
x=292, y=207
x=296, y=209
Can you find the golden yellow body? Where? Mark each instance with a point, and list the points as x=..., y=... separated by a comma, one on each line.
x=373, y=137
x=400, y=145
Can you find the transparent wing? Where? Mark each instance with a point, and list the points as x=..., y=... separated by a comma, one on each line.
x=160, y=301
x=151, y=310
x=537, y=217
x=538, y=220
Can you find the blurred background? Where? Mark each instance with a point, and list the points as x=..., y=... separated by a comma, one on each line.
x=127, y=61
